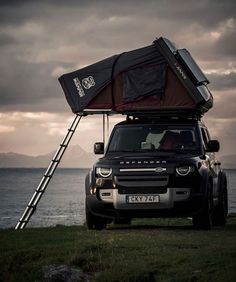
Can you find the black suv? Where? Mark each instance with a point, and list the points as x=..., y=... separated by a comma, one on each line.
x=157, y=167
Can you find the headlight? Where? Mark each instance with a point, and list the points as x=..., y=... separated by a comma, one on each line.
x=104, y=172
x=184, y=170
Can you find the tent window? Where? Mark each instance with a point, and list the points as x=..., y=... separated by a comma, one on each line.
x=144, y=81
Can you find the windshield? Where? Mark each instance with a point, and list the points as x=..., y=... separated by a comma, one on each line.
x=154, y=138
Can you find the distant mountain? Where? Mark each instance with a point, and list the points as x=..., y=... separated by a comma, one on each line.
x=74, y=156
x=228, y=161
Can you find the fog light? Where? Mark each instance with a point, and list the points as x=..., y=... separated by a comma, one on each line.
x=93, y=190
x=100, y=182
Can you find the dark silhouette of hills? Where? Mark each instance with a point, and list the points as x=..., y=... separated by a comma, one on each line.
x=74, y=156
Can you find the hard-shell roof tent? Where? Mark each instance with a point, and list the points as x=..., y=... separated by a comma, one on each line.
x=158, y=78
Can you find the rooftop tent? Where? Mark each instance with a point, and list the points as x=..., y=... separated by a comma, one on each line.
x=158, y=77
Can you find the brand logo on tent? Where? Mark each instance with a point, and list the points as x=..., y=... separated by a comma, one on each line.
x=180, y=71
x=88, y=82
x=78, y=87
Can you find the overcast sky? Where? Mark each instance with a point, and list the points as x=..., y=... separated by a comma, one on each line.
x=40, y=40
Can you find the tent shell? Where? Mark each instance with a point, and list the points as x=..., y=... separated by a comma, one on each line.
x=185, y=85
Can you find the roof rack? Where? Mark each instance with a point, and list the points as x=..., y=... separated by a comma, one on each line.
x=149, y=114
x=178, y=113
x=157, y=114
x=97, y=112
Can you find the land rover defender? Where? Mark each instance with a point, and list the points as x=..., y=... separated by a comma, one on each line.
x=160, y=161
x=157, y=167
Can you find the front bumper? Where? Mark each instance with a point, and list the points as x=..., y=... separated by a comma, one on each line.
x=178, y=196
x=176, y=202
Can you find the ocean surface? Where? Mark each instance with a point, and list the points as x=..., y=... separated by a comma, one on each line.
x=63, y=201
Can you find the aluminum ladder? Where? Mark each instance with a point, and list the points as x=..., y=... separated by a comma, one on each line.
x=31, y=207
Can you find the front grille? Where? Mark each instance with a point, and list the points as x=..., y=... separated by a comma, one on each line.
x=141, y=181
x=142, y=190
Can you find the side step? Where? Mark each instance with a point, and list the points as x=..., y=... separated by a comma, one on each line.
x=31, y=207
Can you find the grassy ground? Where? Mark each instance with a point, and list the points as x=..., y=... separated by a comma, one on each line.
x=160, y=250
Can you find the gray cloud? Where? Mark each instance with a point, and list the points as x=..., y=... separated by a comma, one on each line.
x=227, y=44
x=29, y=86
x=222, y=81
x=207, y=12
x=6, y=39
x=38, y=36
x=224, y=105
x=225, y=131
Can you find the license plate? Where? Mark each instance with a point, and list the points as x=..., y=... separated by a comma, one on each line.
x=142, y=199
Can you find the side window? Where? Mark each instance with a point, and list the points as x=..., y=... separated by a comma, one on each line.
x=205, y=137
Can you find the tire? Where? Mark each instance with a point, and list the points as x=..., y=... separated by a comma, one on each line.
x=221, y=209
x=94, y=222
x=203, y=220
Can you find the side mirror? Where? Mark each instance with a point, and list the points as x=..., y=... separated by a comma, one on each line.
x=99, y=148
x=213, y=146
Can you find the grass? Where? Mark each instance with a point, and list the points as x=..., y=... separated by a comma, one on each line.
x=160, y=250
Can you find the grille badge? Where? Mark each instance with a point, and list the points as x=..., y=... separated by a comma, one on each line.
x=160, y=169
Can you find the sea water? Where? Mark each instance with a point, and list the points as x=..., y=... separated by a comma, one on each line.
x=63, y=200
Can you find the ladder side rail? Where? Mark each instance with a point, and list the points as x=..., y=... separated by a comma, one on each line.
x=30, y=208
x=33, y=201
x=59, y=153
x=37, y=193
x=44, y=182
x=47, y=176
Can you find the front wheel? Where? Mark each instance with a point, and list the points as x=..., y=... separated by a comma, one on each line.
x=94, y=222
x=203, y=220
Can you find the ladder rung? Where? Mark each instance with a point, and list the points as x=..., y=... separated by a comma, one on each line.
x=63, y=145
x=48, y=175
x=55, y=161
x=71, y=130
x=39, y=191
x=31, y=206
